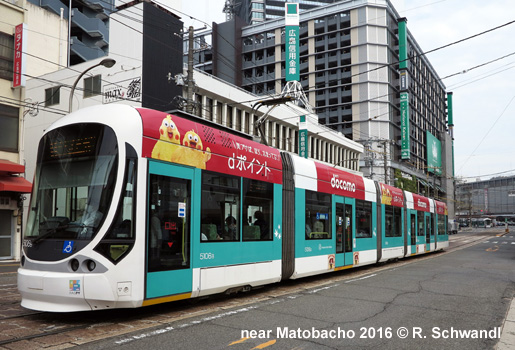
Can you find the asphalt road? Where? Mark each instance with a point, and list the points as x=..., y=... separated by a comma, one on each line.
x=446, y=301
x=421, y=302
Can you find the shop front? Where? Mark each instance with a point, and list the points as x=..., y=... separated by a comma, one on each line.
x=13, y=187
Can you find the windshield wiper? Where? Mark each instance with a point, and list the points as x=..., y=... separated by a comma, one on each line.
x=50, y=231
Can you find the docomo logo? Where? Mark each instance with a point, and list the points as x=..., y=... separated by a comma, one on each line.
x=342, y=184
x=422, y=204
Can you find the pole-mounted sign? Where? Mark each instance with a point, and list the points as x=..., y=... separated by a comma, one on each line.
x=303, y=137
x=291, y=17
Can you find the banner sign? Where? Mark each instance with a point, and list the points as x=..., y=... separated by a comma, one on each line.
x=292, y=42
x=339, y=182
x=20, y=47
x=303, y=137
x=421, y=203
x=391, y=195
x=178, y=140
x=441, y=208
x=405, y=132
x=434, y=151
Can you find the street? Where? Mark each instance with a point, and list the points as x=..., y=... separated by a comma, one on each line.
x=455, y=299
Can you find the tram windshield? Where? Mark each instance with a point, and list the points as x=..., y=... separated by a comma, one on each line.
x=74, y=184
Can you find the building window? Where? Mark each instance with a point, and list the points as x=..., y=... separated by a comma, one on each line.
x=9, y=128
x=52, y=96
x=6, y=56
x=93, y=86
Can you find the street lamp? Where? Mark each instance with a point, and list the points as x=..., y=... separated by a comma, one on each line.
x=106, y=62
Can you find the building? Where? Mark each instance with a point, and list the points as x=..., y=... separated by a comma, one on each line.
x=87, y=25
x=256, y=11
x=493, y=198
x=30, y=45
x=350, y=71
x=146, y=62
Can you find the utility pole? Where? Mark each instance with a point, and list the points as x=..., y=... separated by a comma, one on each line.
x=383, y=144
x=385, y=164
x=189, y=99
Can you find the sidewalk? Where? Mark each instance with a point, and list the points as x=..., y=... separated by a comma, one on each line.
x=507, y=341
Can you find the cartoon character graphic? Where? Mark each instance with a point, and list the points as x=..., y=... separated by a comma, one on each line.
x=169, y=140
x=386, y=195
x=193, y=153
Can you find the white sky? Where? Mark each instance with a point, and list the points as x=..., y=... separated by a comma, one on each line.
x=484, y=98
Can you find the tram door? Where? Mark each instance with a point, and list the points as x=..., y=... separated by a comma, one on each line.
x=429, y=231
x=344, y=231
x=413, y=226
x=168, y=236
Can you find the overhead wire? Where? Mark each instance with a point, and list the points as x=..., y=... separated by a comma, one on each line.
x=227, y=60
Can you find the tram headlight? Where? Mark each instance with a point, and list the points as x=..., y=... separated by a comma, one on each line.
x=74, y=264
x=90, y=264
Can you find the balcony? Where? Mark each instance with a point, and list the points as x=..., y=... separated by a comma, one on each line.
x=84, y=51
x=55, y=7
x=94, y=27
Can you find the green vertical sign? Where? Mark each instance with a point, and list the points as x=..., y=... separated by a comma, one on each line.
x=405, y=134
x=303, y=137
x=403, y=43
x=434, y=154
x=291, y=54
x=450, y=120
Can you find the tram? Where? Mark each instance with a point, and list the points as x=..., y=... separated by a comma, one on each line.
x=133, y=207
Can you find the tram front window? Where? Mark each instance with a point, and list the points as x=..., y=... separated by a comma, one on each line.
x=73, y=189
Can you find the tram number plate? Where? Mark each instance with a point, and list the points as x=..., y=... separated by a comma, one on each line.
x=207, y=256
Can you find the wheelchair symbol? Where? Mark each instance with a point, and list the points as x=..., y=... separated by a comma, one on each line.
x=68, y=247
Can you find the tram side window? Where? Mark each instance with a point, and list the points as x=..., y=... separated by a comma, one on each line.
x=120, y=237
x=257, y=210
x=220, y=207
x=420, y=221
x=442, y=219
x=393, y=221
x=318, y=215
x=364, y=219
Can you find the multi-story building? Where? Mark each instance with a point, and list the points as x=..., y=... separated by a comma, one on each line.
x=87, y=26
x=493, y=198
x=256, y=11
x=147, y=60
x=30, y=45
x=349, y=70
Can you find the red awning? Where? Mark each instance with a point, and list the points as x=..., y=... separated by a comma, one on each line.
x=9, y=167
x=14, y=184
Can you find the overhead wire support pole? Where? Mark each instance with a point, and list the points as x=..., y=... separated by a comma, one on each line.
x=294, y=89
x=274, y=102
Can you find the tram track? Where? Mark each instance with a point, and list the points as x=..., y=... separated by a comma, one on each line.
x=39, y=335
